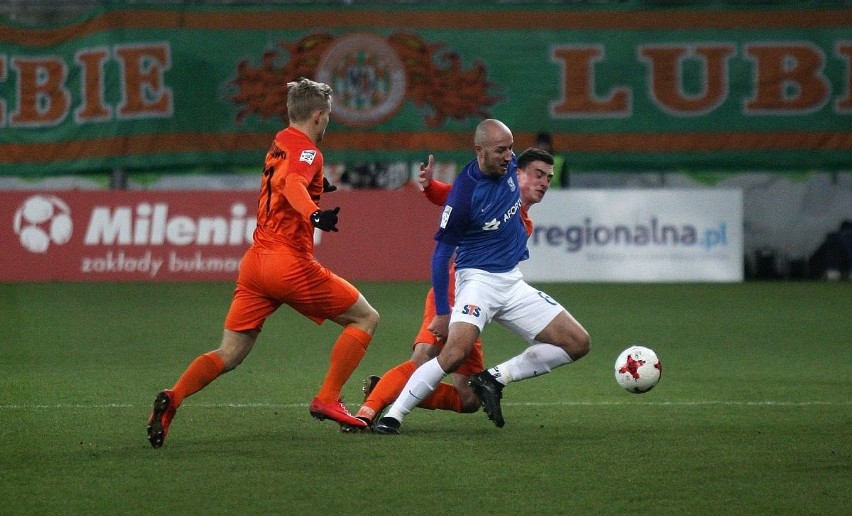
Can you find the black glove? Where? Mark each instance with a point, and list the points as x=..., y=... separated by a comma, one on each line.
x=327, y=186
x=326, y=220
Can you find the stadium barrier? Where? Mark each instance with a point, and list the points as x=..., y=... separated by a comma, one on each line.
x=637, y=236
x=580, y=235
x=198, y=235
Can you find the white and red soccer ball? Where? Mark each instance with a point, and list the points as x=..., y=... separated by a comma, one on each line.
x=638, y=369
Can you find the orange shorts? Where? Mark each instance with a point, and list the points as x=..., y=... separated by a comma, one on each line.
x=266, y=281
x=475, y=361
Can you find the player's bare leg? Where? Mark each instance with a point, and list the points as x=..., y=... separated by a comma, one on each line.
x=565, y=332
x=561, y=342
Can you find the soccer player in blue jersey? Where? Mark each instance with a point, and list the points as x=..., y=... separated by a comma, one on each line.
x=481, y=223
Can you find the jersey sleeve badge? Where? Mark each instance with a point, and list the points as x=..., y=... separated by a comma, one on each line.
x=445, y=216
x=308, y=156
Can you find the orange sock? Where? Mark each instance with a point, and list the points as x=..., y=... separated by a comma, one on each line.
x=346, y=354
x=200, y=372
x=445, y=397
x=387, y=390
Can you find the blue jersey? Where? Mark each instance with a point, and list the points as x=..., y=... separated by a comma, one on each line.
x=482, y=218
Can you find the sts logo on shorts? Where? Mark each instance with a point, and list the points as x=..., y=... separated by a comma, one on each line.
x=473, y=310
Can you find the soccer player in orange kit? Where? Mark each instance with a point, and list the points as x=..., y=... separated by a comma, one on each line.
x=279, y=268
x=535, y=171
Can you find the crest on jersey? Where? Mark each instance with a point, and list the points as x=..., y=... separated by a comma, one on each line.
x=308, y=156
x=512, y=186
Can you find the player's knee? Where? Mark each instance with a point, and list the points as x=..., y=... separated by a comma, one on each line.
x=424, y=352
x=469, y=404
x=361, y=315
x=371, y=319
x=366, y=319
x=450, y=360
x=230, y=365
x=580, y=345
x=231, y=357
x=235, y=346
x=470, y=407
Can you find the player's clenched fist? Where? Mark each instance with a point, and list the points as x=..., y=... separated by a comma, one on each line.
x=326, y=220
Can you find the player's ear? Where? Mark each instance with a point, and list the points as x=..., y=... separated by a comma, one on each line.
x=317, y=116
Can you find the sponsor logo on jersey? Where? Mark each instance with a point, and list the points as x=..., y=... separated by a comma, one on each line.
x=491, y=225
x=308, y=156
x=512, y=211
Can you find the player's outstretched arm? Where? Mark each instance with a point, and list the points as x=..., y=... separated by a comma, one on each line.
x=436, y=191
x=424, y=178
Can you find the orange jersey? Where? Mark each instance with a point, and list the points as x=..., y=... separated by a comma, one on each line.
x=525, y=217
x=283, y=223
x=279, y=267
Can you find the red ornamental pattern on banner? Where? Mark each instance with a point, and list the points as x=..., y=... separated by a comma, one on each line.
x=371, y=77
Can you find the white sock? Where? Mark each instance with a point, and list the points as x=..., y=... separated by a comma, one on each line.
x=536, y=360
x=419, y=387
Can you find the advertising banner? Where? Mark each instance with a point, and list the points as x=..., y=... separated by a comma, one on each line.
x=637, y=236
x=579, y=235
x=199, y=236
x=617, y=89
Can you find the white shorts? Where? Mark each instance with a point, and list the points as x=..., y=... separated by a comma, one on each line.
x=503, y=297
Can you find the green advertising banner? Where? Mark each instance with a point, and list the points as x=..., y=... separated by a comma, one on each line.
x=678, y=89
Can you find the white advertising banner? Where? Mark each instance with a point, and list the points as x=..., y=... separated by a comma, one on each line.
x=637, y=236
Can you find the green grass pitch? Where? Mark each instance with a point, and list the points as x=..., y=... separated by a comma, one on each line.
x=753, y=414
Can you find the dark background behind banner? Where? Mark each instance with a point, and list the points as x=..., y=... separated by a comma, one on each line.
x=619, y=85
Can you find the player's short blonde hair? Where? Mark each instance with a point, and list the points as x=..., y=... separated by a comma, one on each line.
x=306, y=96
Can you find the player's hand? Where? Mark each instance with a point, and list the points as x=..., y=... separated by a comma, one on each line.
x=327, y=186
x=440, y=327
x=325, y=220
x=424, y=178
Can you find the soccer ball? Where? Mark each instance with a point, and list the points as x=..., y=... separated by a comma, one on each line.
x=42, y=220
x=638, y=369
